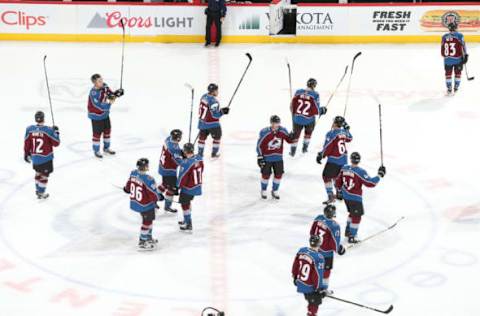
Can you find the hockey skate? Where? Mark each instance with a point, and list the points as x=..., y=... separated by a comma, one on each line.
x=215, y=155
x=147, y=245
x=170, y=209
x=185, y=227
x=109, y=151
x=42, y=196
x=353, y=240
x=263, y=194
x=293, y=150
x=305, y=148
x=98, y=154
x=331, y=199
x=275, y=195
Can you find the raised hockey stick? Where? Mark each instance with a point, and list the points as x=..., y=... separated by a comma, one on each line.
x=466, y=73
x=377, y=233
x=48, y=87
x=381, y=132
x=388, y=310
x=241, y=79
x=336, y=88
x=188, y=86
x=123, y=51
x=289, y=79
x=349, y=82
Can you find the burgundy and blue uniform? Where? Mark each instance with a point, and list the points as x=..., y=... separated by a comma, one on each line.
x=350, y=181
x=143, y=199
x=453, y=50
x=270, y=147
x=190, y=183
x=99, y=114
x=329, y=230
x=209, y=123
x=170, y=159
x=39, y=141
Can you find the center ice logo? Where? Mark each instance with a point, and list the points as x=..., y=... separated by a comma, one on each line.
x=450, y=17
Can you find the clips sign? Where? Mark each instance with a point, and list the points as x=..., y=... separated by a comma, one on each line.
x=22, y=19
x=391, y=21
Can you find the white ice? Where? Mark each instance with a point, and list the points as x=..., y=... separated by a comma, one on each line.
x=75, y=254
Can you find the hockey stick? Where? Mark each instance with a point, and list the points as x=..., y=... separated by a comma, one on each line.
x=336, y=88
x=349, y=82
x=289, y=78
x=48, y=87
x=123, y=51
x=377, y=233
x=188, y=86
x=241, y=79
x=121, y=188
x=466, y=73
x=381, y=132
x=388, y=310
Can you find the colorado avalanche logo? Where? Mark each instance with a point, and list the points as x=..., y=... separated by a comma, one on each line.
x=450, y=17
x=274, y=144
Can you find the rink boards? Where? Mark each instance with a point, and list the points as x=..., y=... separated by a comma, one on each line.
x=176, y=23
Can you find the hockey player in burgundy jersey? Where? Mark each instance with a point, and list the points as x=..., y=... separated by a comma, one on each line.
x=38, y=149
x=326, y=226
x=335, y=150
x=143, y=199
x=170, y=159
x=349, y=188
x=270, y=155
x=100, y=100
x=454, y=52
x=209, y=120
x=307, y=272
x=305, y=107
x=190, y=183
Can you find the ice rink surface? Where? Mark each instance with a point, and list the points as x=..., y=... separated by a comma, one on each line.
x=75, y=254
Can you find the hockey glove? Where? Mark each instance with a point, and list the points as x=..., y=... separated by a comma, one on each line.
x=382, y=171
x=339, y=195
x=319, y=157
x=346, y=126
x=341, y=250
x=261, y=161
x=322, y=293
x=294, y=281
x=323, y=110
x=291, y=136
x=27, y=158
x=119, y=93
x=225, y=110
x=465, y=59
x=126, y=190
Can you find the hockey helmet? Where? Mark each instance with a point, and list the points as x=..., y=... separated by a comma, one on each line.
x=176, y=135
x=188, y=148
x=315, y=241
x=452, y=26
x=355, y=158
x=212, y=87
x=330, y=211
x=94, y=77
x=39, y=117
x=275, y=119
x=142, y=164
x=311, y=83
x=339, y=120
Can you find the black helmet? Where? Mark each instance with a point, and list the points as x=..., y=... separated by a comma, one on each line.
x=275, y=119
x=176, y=135
x=339, y=120
x=452, y=26
x=188, y=148
x=355, y=158
x=94, y=77
x=39, y=117
x=315, y=241
x=212, y=87
x=311, y=83
x=142, y=164
x=330, y=211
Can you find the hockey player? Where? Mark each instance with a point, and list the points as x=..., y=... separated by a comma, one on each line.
x=100, y=100
x=454, y=52
x=335, y=150
x=305, y=107
x=326, y=226
x=307, y=271
x=190, y=183
x=349, y=188
x=38, y=150
x=170, y=159
x=270, y=155
x=143, y=199
x=209, y=120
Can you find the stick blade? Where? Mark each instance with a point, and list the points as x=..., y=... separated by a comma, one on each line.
x=388, y=310
x=356, y=55
x=249, y=56
x=188, y=86
x=44, y=57
x=471, y=78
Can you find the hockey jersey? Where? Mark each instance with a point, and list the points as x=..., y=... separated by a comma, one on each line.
x=270, y=143
x=190, y=175
x=98, y=107
x=307, y=270
x=351, y=180
x=209, y=112
x=330, y=232
x=335, y=146
x=305, y=106
x=143, y=191
x=170, y=158
x=39, y=141
x=453, y=48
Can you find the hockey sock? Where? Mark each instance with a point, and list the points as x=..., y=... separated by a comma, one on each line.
x=42, y=182
x=294, y=145
x=264, y=182
x=328, y=186
x=215, y=147
x=457, y=80
x=187, y=213
x=306, y=140
x=106, y=139
x=146, y=230
x=354, y=225
x=96, y=142
x=201, y=146
x=312, y=310
x=37, y=181
x=168, y=199
x=276, y=182
x=448, y=79
x=349, y=222
x=326, y=278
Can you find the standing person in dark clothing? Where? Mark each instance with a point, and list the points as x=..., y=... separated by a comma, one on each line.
x=215, y=12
